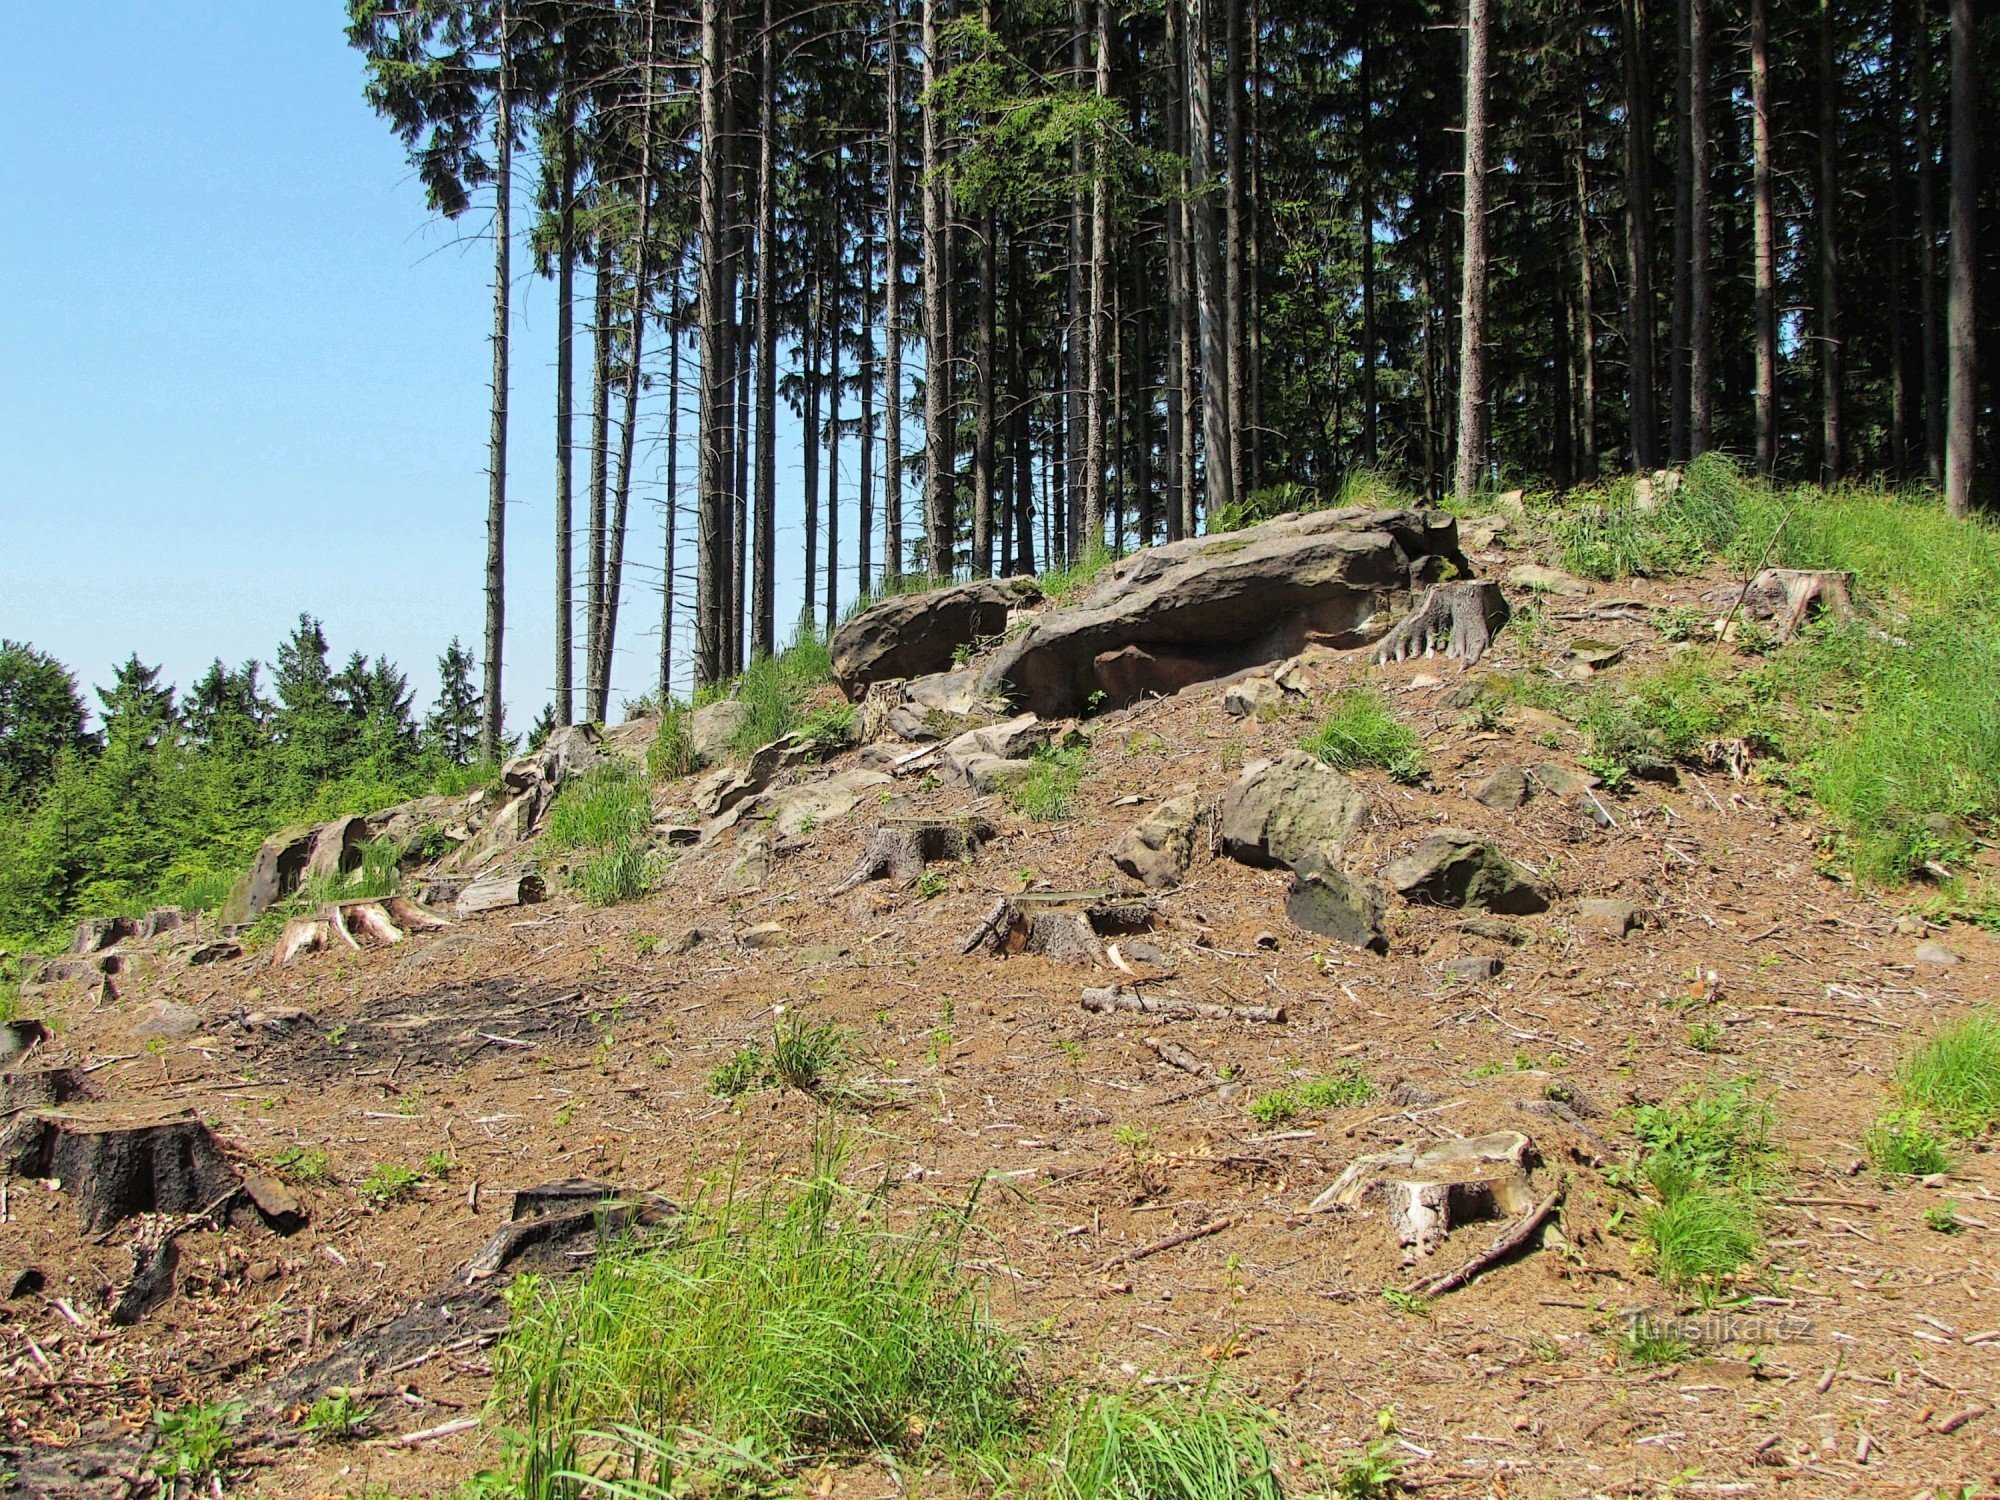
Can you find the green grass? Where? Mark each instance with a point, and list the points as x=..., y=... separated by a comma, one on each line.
x=671, y=755
x=1889, y=721
x=1062, y=586
x=605, y=808
x=1163, y=1445
x=1648, y=1344
x=337, y=1417
x=804, y=1054
x=610, y=876
x=1707, y=1155
x=1326, y=1091
x=1701, y=1235
x=1955, y=1076
x=744, y=1071
x=1359, y=730
x=1943, y=1217
x=1047, y=794
x=777, y=689
x=195, y=1442
x=792, y=1324
x=306, y=1168
x=1902, y=1144
x=389, y=1182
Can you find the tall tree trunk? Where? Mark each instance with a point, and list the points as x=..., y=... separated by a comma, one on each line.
x=1142, y=436
x=600, y=462
x=745, y=354
x=1370, y=441
x=833, y=450
x=1076, y=364
x=1642, y=414
x=1825, y=205
x=983, y=417
x=669, y=583
x=939, y=522
x=1586, y=317
x=892, y=309
x=1765, y=237
x=493, y=708
x=1235, y=323
x=1681, y=313
x=1216, y=493
x=1961, y=329
x=1174, y=214
x=635, y=340
x=1930, y=384
x=1474, y=414
x=565, y=394
x=1097, y=397
x=716, y=293
x=864, y=522
x=1021, y=411
x=763, y=586
x=809, y=351
x=1701, y=312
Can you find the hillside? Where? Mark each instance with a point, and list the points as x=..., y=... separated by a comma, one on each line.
x=1670, y=995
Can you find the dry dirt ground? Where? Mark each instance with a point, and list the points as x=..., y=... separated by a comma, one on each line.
x=560, y=1041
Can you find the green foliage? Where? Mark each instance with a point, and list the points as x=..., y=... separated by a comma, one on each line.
x=1706, y=1155
x=1323, y=1091
x=338, y=1416
x=744, y=1071
x=804, y=1053
x=1902, y=1144
x=1955, y=1076
x=41, y=719
x=1669, y=714
x=1647, y=1343
x=1047, y=794
x=671, y=755
x=195, y=1442
x=1943, y=1217
x=389, y=1182
x=1370, y=1474
x=605, y=808
x=1700, y=1235
x=1062, y=586
x=1359, y=730
x=307, y=1168
x=614, y=875
x=778, y=689
x=1163, y=1445
x=791, y=1323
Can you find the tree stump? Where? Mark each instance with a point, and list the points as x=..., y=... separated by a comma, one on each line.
x=1063, y=925
x=1789, y=595
x=117, y=1168
x=497, y=892
x=901, y=847
x=1457, y=620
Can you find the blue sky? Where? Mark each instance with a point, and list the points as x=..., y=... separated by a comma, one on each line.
x=243, y=371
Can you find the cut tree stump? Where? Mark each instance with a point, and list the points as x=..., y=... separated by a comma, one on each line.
x=553, y=1222
x=901, y=847
x=118, y=1168
x=19, y=1038
x=1431, y=1190
x=1065, y=925
x=39, y=1088
x=378, y=923
x=1458, y=620
x=497, y=892
x=1789, y=595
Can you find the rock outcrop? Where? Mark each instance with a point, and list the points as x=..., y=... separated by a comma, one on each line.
x=1158, y=849
x=1194, y=610
x=914, y=635
x=1456, y=868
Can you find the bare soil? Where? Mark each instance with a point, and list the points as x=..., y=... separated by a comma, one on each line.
x=562, y=1041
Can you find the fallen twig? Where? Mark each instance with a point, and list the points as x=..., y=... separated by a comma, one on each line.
x=1517, y=1235
x=1200, y=1232
x=1105, y=1001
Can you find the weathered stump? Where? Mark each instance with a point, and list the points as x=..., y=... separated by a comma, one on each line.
x=1063, y=925
x=901, y=847
x=1789, y=595
x=1455, y=619
x=115, y=1169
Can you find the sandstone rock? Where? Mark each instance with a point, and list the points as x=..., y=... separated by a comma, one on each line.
x=912, y=635
x=796, y=810
x=1159, y=848
x=712, y=729
x=987, y=774
x=1935, y=953
x=1280, y=811
x=1011, y=741
x=1540, y=580
x=1324, y=899
x=1252, y=698
x=1504, y=790
x=765, y=935
x=95, y=934
x=1473, y=970
x=1495, y=930
x=1219, y=604
x=1456, y=868
x=1606, y=917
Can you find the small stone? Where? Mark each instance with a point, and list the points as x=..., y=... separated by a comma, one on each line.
x=164, y=1018
x=1282, y=810
x=279, y=1205
x=1505, y=790
x=988, y=774
x=690, y=940
x=1456, y=868
x=1607, y=918
x=1494, y=930
x=712, y=729
x=1541, y=580
x=820, y=953
x=1597, y=655
x=1935, y=953
x=1910, y=925
x=1142, y=952
x=1423, y=682
x=1159, y=847
x=1253, y=697
x=765, y=935
x=1324, y=899
x=1473, y=970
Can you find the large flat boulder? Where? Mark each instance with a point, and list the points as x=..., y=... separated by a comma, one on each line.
x=1205, y=607
x=1285, y=811
x=915, y=635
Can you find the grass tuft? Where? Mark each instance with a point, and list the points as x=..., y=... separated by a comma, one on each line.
x=790, y=1324
x=1701, y=1235
x=606, y=808
x=1161, y=1446
x=1047, y=794
x=1707, y=1155
x=1955, y=1076
x=1902, y=1144
x=1326, y=1091
x=1359, y=730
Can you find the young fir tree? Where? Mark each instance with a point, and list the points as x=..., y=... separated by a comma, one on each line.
x=451, y=728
